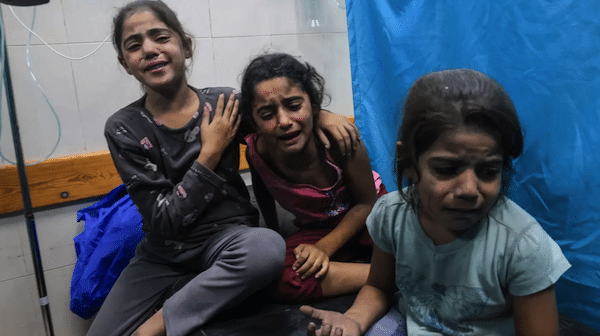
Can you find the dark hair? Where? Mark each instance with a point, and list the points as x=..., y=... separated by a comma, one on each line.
x=160, y=10
x=275, y=65
x=445, y=100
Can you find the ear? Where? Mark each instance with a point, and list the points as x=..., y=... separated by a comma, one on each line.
x=409, y=172
x=124, y=64
x=188, y=52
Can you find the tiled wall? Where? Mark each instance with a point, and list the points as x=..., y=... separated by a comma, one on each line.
x=227, y=34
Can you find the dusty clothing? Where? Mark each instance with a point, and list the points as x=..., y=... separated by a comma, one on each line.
x=198, y=222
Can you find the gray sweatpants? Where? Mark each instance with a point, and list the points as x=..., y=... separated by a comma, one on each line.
x=231, y=265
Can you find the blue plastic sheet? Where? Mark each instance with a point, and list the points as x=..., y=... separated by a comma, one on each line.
x=113, y=229
x=546, y=55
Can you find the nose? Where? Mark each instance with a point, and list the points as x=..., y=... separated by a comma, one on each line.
x=149, y=49
x=467, y=185
x=283, y=119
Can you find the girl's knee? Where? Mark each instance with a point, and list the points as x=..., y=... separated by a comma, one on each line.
x=266, y=250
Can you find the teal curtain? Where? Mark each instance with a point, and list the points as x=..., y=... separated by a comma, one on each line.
x=547, y=56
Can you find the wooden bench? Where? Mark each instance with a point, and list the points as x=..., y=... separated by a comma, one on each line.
x=64, y=180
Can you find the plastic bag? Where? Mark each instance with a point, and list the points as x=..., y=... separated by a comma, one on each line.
x=113, y=229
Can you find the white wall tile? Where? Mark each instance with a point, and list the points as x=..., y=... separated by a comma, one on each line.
x=203, y=64
x=194, y=16
x=233, y=54
x=65, y=321
x=90, y=20
x=338, y=78
x=103, y=87
x=14, y=249
x=252, y=17
x=20, y=312
x=37, y=123
x=308, y=47
x=56, y=229
x=49, y=23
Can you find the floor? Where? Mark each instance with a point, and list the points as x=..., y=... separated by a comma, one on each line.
x=255, y=316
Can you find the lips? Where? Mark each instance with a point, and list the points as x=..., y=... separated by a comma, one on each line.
x=155, y=66
x=289, y=136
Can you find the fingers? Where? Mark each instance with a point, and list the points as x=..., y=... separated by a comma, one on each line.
x=354, y=133
x=312, y=265
x=205, y=115
x=312, y=329
x=324, y=269
x=323, y=138
x=230, y=112
x=220, y=103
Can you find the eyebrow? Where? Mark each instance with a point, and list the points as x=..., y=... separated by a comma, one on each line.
x=495, y=159
x=151, y=32
x=285, y=101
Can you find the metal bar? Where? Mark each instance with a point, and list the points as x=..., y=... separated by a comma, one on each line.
x=33, y=240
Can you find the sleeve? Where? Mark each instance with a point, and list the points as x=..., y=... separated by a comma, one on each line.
x=380, y=224
x=537, y=262
x=167, y=208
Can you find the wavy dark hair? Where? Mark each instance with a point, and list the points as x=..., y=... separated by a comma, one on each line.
x=160, y=10
x=273, y=65
x=446, y=100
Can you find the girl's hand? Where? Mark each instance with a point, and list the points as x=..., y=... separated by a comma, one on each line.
x=341, y=129
x=332, y=323
x=217, y=134
x=309, y=259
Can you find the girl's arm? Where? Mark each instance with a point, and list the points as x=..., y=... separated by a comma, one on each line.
x=372, y=302
x=218, y=133
x=359, y=180
x=536, y=314
x=167, y=207
x=265, y=200
x=340, y=128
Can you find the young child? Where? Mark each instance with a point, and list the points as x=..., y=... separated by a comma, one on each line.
x=465, y=259
x=175, y=152
x=330, y=193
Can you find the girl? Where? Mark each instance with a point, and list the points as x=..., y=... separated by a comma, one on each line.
x=465, y=259
x=330, y=194
x=173, y=149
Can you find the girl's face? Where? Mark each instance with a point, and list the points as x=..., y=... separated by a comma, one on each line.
x=460, y=177
x=152, y=52
x=282, y=114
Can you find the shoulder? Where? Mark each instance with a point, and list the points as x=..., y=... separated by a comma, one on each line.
x=390, y=216
x=511, y=216
x=533, y=259
x=130, y=116
x=214, y=92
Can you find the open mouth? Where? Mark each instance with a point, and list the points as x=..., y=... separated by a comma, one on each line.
x=289, y=136
x=155, y=66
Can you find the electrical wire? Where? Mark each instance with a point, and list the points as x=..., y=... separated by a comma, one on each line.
x=32, y=33
x=2, y=52
x=47, y=45
x=42, y=91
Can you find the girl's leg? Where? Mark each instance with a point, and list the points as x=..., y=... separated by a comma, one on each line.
x=344, y=278
x=135, y=296
x=239, y=261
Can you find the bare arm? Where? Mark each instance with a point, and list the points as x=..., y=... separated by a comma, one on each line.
x=340, y=128
x=358, y=177
x=536, y=314
x=372, y=303
x=359, y=180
